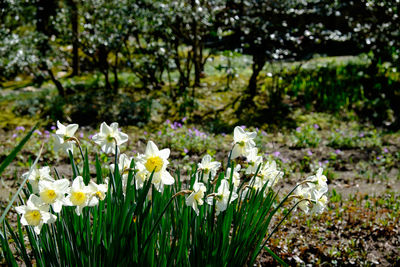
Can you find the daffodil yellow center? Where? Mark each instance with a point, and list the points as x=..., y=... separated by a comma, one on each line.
x=48, y=196
x=78, y=198
x=99, y=195
x=154, y=164
x=110, y=139
x=33, y=217
x=198, y=196
x=241, y=143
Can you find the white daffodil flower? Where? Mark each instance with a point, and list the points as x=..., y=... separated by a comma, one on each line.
x=269, y=174
x=208, y=167
x=195, y=199
x=124, y=163
x=157, y=160
x=141, y=175
x=53, y=193
x=243, y=142
x=80, y=195
x=254, y=160
x=320, y=204
x=62, y=136
x=318, y=182
x=303, y=193
x=222, y=197
x=255, y=183
x=109, y=136
x=235, y=175
x=42, y=174
x=35, y=213
x=97, y=192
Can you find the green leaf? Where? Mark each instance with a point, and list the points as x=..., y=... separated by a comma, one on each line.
x=15, y=151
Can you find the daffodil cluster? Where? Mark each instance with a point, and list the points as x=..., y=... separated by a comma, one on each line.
x=55, y=193
x=258, y=174
x=247, y=171
x=48, y=192
x=312, y=191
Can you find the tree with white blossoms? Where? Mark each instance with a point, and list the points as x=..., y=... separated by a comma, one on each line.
x=35, y=213
x=109, y=137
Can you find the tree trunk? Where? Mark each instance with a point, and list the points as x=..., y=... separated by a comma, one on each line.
x=103, y=64
x=75, y=36
x=258, y=64
x=44, y=10
x=60, y=88
x=115, y=71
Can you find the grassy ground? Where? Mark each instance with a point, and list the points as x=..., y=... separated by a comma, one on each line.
x=360, y=225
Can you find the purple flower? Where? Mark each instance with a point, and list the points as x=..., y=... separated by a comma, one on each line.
x=284, y=160
x=361, y=135
x=167, y=121
x=378, y=157
x=263, y=133
x=223, y=134
x=320, y=163
x=243, y=127
x=298, y=129
x=159, y=132
x=309, y=153
x=326, y=161
x=185, y=150
x=91, y=136
x=184, y=119
x=316, y=126
x=14, y=135
x=145, y=133
x=276, y=154
x=385, y=150
x=38, y=132
x=20, y=128
x=338, y=151
x=53, y=127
